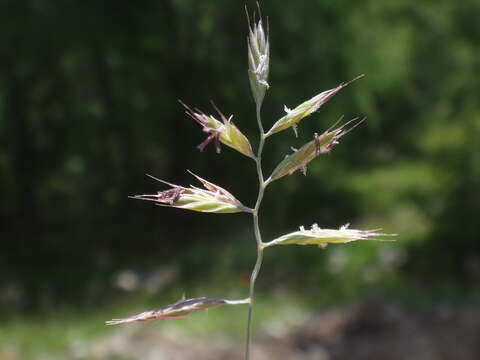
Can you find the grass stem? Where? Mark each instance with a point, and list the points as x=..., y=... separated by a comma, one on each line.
x=258, y=235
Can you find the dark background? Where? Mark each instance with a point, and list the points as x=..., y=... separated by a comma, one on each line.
x=88, y=105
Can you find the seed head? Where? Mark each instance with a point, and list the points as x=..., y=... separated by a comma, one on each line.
x=323, y=237
x=293, y=117
x=258, y=59
x=212, y=199
x=224, y=131
x=178, y=310
x=321, y=144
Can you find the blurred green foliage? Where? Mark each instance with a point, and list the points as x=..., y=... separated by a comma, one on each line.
x=88, y=104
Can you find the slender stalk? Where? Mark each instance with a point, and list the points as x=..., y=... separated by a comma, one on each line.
x=258, y=235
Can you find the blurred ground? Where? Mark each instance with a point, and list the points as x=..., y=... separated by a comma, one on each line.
x=373, y=329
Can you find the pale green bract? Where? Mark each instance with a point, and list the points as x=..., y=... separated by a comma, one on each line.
x=293, y=117
x=224, y=131
x=258, y=61
x=301, y=157
x=320, y=144
x=231, y=136
x=212, y=199
x=323, y=237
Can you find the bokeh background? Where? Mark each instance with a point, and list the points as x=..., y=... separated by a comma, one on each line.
x=89, y=103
